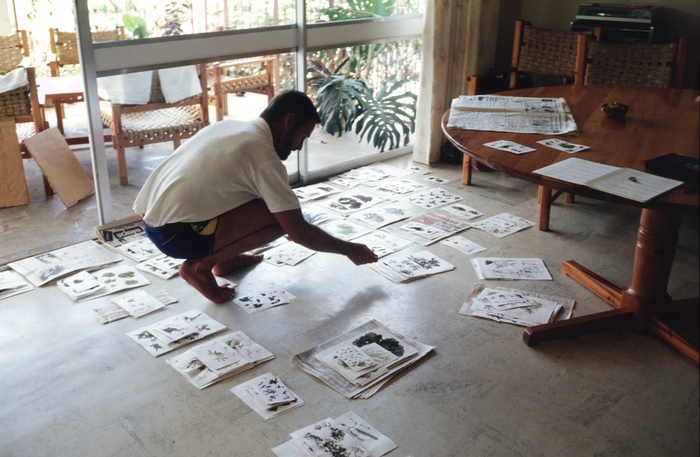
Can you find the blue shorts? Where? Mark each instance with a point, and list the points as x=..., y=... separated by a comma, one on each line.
x=184, y=240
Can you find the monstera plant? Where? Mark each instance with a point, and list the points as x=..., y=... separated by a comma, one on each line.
x=344, y=102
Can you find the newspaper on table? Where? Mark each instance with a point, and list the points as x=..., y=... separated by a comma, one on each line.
x=328, y=437
x=548, y=116
x=12, y=283
x=177, y=331
x=50, y=266
x=120, y=232
x=219, y=359
x=402, y=268
x=370, y=332
x=427, y=228
x=514, y=306
x=258, y=394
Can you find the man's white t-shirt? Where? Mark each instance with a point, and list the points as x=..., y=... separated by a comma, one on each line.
x=225, y=165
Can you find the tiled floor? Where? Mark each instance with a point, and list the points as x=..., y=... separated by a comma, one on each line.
x=70, y=386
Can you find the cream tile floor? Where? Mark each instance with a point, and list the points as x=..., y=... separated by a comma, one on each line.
x=70, y=386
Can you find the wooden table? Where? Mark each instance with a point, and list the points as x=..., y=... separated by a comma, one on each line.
x=59, y=90
x=659, y=121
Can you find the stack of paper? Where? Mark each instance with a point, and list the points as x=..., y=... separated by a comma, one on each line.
x=219, y=359
x=503, y=224
x=351, y=201
x=400, y=187
x=140, y=249
x=504, y=268
x=172, y=333
x=163, y=266
x=113, y=312
x=515, y=306
x=427, y=228
x=86, y=286
x=307, y=193
x=138, y=303
x=12, y=283
x=44, y=268
x=268, y=396
x=403, y=268
x=380, y=216
x=372, y=175
x=344, y=229
x=348, y=435
x=260, y=301
x=343, y=364
x=316, y=215
x=382, y=243
x=433, y=197
x=288, y=254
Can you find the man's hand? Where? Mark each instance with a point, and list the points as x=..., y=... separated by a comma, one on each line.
x=361, y=254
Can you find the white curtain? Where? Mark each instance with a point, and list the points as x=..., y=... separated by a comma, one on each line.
x=459, y=40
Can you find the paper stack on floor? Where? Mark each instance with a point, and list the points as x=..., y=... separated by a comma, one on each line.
x=175, y=332
x=44, y=268
x=510, y=268
x=402, y=268
x=330, y=437
x=268, y=396
x=86, y=286
x=219, y=359
x=516, y=306
x=344, y=362
x=12, y=283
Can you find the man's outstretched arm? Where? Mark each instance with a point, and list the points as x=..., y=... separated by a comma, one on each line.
x=312, y=237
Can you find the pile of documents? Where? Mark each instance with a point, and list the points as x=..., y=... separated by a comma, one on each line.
x=219, y=359
x=260, y=301
x=268, y=396
x=163, y=266
x=359, y=362
x=44, y=268
x=12, y=283
x=427, y=228
x=174, y=332
x=510, y=268
x=86, y=286
x=328, y=437
x=516, y=306
x=136, y=304
x=402, y=267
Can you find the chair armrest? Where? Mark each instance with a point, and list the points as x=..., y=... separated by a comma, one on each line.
x=476, y=82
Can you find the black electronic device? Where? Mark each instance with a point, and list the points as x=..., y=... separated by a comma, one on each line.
x=620, y=23
x=676, y=166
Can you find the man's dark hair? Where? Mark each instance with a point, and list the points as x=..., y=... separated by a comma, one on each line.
x=291, y=101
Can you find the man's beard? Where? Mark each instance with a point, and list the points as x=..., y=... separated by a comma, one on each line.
x=285, y=148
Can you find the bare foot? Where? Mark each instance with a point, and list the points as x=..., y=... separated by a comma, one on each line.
x=241, y=260
x=205, y=282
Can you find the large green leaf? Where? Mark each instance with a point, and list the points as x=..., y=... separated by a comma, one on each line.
x=340, y=100
x=387, y=117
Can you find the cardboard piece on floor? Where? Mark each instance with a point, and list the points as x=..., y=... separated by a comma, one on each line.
x=58, y=163
x=13, y=186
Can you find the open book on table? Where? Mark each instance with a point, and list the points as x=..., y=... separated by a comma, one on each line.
x=623, y=182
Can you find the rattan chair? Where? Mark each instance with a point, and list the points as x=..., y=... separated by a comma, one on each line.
x=238, y=77
x=537, y=51
x=155, y=122
x=22, y=105
x=64, y=46
x=13, y=48
x=634, y=64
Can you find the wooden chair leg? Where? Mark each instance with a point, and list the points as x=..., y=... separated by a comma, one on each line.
x=121, y=165
x=176, y=144
x=545, y=198
x=467, y=170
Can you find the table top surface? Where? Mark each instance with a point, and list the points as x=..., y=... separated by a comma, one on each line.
x=59, y=85
x=659, y=121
